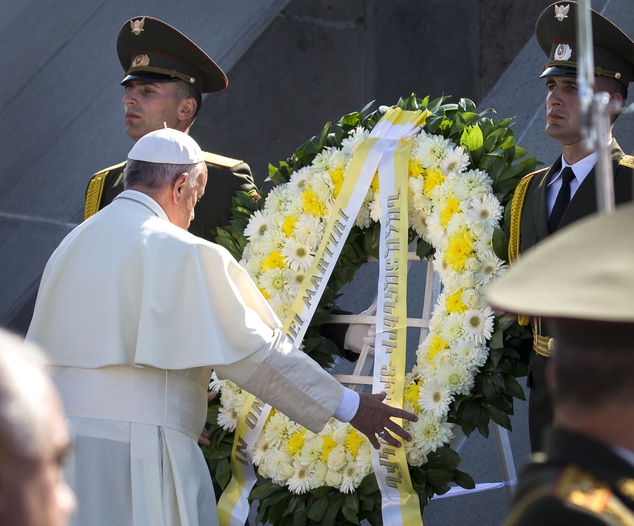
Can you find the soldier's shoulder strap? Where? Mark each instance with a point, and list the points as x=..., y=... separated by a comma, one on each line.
x=220, y=160
x=95, y=189
x=627, y=161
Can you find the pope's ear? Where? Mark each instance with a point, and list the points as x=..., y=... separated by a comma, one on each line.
x=178, y=186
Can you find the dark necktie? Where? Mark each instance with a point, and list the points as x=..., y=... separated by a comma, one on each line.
x=563, y=198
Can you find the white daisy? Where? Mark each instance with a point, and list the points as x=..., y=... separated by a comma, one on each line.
x=478, y=324
x=298, y=254
x=350, y=478
x=227, y=417
x=350, y=144
x=486, y=208
x=259, y=222
x=456, y=160
x=435, y=398
x=260, y=449
x=491, y=267
x=375, y=208
x=297, y=182
x=456, y=377
x=300, y=481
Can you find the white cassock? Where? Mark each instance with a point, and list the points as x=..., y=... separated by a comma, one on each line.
x=133, y=312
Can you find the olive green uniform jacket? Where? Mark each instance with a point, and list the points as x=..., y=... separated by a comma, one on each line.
x=577, y=481
x=530, y=224
x=226, y=176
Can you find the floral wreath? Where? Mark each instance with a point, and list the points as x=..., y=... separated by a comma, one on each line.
x=462, y=173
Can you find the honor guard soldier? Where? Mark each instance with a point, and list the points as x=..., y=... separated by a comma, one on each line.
x=165, y=76
x=561, y=194
x=585, y=474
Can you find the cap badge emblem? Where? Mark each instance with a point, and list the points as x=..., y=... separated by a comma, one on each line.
x=140, y=60
x=563, y=52
x=137, y=26
x=561, y=12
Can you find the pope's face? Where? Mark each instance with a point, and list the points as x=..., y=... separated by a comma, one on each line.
x=563, y=110
x=148, y=105
x=36, y=494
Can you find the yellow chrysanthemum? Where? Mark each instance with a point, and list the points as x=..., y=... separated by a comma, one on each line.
x=337, y=180
x=415, y=168
x=454, y=303
x=375, y=182
x=289, y=225
x=273, y=260
x=329, y=444
x=353, y=442
x=296, y=443
x=436, y=345
x=452, y=205
x=433, y=178
x=410, y=394
x=312, y=204
x=459, y=249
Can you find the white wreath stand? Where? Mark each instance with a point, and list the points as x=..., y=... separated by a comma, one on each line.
x=362, y=376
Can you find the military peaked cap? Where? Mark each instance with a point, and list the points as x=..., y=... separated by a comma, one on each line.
x=150, y=49
x=556, y=33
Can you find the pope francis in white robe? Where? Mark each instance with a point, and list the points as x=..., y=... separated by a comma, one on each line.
x=133, y=312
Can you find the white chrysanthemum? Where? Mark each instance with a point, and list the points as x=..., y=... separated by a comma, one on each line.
x=276, y=280
x=364, y=459
x=478, y=324
x=278, y=199
x=375, y=208
x=418, y=224
x=309, y=229
x=273, y=239
x=429, y=433
x=298, y=254
x=321, y=183
x=260, y=449
x=337, y=160
x=456, y=161
x=471, y=355
x=227, y=417
x=436, y=234
x=253, y=265
x=471, y=183
x=279, y=429
x=321, y=160
x=350, y=478
x=453, y=327
x=350, y=144
x=457, y=223
x=311, y=451
x=317, y=475
x=300, y=481
x=418, y=200
x=363, y=217
x=281, y=305
x=434, y=398
x=456, y=377
x=432, y=151
x=486, y=208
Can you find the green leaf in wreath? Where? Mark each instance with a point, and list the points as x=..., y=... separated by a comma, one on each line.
x=500, y=244
x=318, y=509
x=443, y=458
x=464, y=480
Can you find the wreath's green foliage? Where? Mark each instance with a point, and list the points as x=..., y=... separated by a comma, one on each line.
x=491, y=146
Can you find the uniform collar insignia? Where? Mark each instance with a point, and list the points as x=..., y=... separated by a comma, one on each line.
x=561, y=12
x=137, y=26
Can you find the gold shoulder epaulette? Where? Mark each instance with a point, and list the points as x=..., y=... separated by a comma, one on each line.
x=220, y=160
x=95, y=190
x=627, y=161
x=517, y=204
x=582, y=489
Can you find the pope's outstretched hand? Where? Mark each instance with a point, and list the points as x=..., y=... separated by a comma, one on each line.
x=374, y=419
